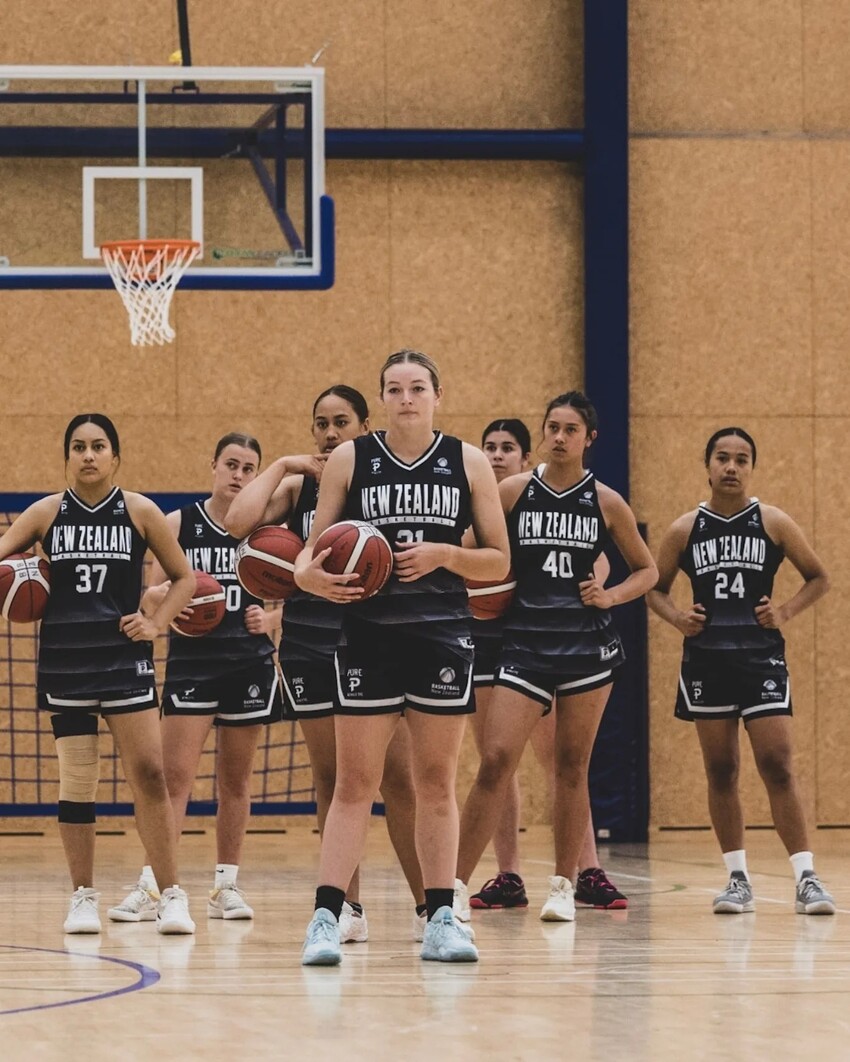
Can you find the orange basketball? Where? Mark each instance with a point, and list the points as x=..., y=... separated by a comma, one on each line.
x=24, y=587
x=207, y=607
x=489, y=600
x=265, y=562
x=357, y=547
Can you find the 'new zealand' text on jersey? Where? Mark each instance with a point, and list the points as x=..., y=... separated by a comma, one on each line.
x=426, y=501
x=230, y=646
x=311, y=624
x=96, y=556
x=556, y=536
x=731, y=562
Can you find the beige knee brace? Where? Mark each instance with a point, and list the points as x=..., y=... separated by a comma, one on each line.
x=79, y=768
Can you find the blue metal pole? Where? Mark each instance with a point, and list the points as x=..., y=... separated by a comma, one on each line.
x=606, y=234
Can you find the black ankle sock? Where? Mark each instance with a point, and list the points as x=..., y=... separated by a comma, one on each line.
x=421, y=908
x=437, y=898
x=331, y=899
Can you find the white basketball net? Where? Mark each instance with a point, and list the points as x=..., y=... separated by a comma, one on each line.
x=145, y=274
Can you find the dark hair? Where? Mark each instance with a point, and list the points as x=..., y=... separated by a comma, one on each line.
x=102, y=421
x=417, y=357
x=514, y=427
x=347, y=394
x=238, y=438
x=578, y=401
x=739, y=432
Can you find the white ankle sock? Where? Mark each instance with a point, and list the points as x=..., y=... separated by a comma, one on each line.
x=736, y=860
x=225, y=874
x=802, y=861
x=148, y=878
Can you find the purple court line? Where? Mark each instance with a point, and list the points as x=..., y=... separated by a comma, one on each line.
x=147, y=977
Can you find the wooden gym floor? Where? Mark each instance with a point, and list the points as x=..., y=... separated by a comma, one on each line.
x=664, y=980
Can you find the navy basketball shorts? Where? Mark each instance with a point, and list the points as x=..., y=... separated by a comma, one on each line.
x=113, y=702
x=242, y=698
x=309, y=687
x=488, y=646
x=738, y=684
x=382, y=669
x=542, y=687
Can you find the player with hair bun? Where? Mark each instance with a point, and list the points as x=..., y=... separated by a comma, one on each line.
x=408, y=648
x=225, y=678
x=733, y=656
x=507, y=444
x=559, y=639
x=96, y=658
x=310, y=635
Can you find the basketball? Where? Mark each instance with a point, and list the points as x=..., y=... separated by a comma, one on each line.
x=24, y=587
x=207, y=606
x=265, y=562
x=489, y=600
x=357, y=547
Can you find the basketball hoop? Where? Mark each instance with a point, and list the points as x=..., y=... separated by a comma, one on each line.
x=145, y=273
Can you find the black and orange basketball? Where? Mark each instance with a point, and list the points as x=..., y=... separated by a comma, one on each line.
x=24, y=587
x=265, y=562
x=357, y=547
x=489, y=600
x=207, y=605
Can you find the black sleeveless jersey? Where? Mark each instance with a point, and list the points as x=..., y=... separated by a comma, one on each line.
x=555, y=539
x=311, y=624
x=731, y=562
x=426, y=501
x=209, y=548
x=96, y=556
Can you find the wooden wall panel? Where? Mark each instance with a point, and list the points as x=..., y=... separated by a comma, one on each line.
x=669, y=479
x=487, y=63
x=486, y=275
x=730, y=66
x=92, y=32
x=720, y=277
x=826, y=55
x=832, y=445
x=830, y=195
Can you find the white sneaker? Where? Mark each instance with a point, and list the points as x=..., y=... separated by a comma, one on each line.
x=460, y=905
x=228, y=902
x=172, y=912
x=321, y=945
x=561, y=905
x=353, y=927
x=82, y=914
x=446, y=939
x=139, y=905
x=421, y=920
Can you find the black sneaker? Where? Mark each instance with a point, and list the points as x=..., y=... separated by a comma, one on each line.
x=595, y=889
x=505, y=890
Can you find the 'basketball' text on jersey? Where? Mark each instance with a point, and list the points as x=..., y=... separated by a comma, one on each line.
x=395, y=503
x=76, y=542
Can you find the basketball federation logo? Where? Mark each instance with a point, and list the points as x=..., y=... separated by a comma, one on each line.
x=447, y=675
x=586, y=498
x=253, y=691
x=442, y=466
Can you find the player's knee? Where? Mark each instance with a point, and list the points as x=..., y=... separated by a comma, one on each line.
x=234, y=787
x=495, y=769
x=435, y=783
x=722, y=774
x=147, y=779
x=397, y=780
x=571, y=766
x=775, y=770
x=354, y=787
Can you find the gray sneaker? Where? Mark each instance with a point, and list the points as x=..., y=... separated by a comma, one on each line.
x=812, y=898
x=737, y=897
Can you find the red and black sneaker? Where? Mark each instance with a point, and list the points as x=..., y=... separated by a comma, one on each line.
x=594, y=889
x=505, y=890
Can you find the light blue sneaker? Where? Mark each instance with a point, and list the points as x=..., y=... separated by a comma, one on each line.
x=444, y=939
x=321, y=945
